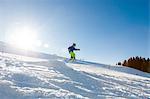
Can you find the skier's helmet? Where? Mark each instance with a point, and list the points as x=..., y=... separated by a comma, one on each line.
x=74, y=44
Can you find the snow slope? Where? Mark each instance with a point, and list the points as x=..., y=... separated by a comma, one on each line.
x=33, y=78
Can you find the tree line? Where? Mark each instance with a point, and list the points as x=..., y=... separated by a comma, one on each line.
x=137, y=62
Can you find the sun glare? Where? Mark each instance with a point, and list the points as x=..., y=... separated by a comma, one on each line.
x=24, y=37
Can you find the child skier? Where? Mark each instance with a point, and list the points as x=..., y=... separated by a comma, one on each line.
x=71, y=50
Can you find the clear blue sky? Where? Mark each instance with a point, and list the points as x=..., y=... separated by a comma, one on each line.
x=106, y=31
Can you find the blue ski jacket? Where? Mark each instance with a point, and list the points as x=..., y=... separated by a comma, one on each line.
x=72, y=48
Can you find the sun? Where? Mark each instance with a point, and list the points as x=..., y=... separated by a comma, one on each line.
x=24, y=37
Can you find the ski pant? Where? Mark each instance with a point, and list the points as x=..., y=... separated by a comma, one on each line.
x=72, y=54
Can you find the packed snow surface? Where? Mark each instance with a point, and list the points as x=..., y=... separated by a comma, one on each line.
x=33, y=78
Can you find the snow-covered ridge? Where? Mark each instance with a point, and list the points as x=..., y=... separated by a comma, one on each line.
x=33, y=78
x=9, y=48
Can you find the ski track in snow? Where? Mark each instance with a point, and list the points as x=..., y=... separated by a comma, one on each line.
x=32, y=78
